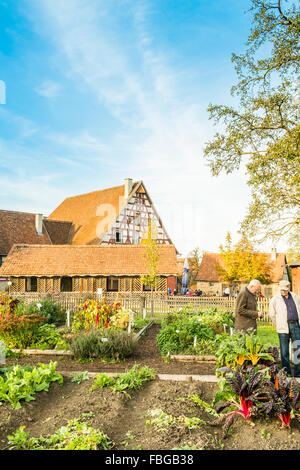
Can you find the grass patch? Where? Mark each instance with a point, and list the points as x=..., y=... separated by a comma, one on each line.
x=268, y=334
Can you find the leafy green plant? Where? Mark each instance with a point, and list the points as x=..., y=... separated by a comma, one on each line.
x=248, y=389
x=22, y=382
x=241, y=349
x=79, y=377
x=203, y=405
x=132, y=379
x=161, y=421
x=139, y=323
x=76, y=435
x=49, y=337
x=281, y=398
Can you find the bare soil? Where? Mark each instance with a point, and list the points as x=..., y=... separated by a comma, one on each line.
x=123, y=419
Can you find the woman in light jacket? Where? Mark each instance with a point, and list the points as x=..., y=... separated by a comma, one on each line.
x=284, y=312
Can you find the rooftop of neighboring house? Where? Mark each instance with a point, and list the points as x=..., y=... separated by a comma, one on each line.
x=92, y=213
x=23, y=227
x=208, y=270
x=87, y=260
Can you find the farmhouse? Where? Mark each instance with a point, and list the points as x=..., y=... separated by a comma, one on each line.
x=210, y=282
x=85, y=269
x=23, y=227
x=31, y=229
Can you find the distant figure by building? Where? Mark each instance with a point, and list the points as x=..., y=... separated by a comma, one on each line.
x=226, y=292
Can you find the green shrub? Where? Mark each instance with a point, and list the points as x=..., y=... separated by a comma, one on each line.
x=178, y=337
x=51, y=312
x=107, y=344
x=49, y=337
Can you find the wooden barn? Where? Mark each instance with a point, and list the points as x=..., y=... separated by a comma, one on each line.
x=86, y=269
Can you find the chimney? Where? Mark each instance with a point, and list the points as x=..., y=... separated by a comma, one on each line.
x=39, y=223
x=273, y=254
x=128, y=187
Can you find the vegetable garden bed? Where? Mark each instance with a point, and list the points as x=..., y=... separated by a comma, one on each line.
x=57, y=352
x=161, y=415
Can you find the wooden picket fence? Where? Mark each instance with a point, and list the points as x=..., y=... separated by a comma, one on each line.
x=154, y=307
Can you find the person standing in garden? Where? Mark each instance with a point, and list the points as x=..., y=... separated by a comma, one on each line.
x=245, y=312
x=284, y=312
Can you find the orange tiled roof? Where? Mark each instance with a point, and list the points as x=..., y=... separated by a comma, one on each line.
x=19, y=227
x=208, y=271
x=68, y=260
x=82, y=212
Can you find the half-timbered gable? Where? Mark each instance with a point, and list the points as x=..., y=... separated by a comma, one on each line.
x=132, y=223
x=118, y=215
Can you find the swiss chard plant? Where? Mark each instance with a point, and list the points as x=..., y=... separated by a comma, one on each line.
x=281, y=398
x=242, y=349
x=247, y=389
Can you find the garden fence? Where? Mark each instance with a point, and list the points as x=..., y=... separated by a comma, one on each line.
x=154, y=307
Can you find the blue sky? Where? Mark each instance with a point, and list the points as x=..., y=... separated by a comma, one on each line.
x=101, y=90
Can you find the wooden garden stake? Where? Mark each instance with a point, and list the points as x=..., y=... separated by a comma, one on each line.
x=130, y=322
x=68, y=318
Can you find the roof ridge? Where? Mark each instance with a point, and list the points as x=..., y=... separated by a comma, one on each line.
x=57, y=221
x=123, y=245
x=101, y=190
x=20, y=212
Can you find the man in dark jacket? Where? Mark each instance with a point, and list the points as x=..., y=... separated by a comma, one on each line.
x=246, y=312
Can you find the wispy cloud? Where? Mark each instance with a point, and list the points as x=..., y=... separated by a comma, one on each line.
x=160, y=126
x=48, y=89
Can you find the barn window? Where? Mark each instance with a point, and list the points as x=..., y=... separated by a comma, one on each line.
x=31, y=284
x=112, y=284
x=66, y=284
x=146, y=287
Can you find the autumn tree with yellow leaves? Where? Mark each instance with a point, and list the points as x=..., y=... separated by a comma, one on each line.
x=240, y=262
